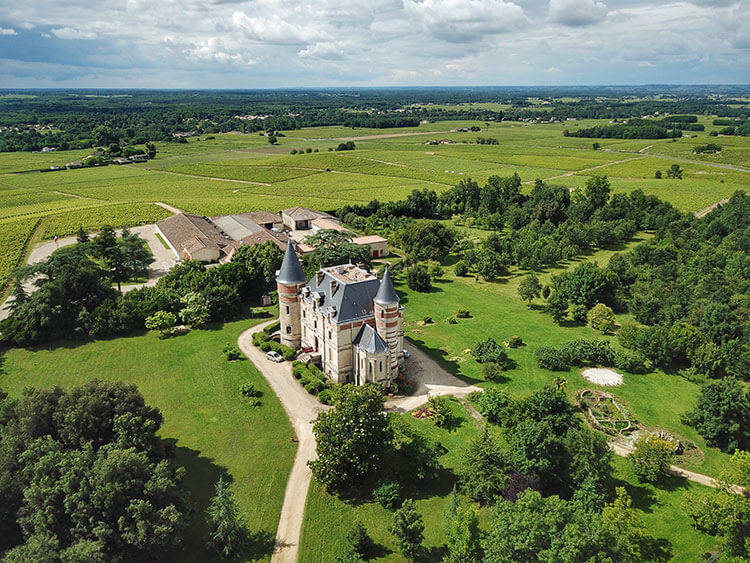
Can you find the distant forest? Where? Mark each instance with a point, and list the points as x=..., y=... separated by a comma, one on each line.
x=86, y=118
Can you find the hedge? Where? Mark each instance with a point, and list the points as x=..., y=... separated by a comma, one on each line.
x=264, y=342
x=313, y=380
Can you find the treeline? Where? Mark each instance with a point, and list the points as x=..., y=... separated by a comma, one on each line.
x=634, y=129
x=75, y=298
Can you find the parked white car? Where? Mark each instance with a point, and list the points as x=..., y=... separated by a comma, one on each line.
x=274, y=356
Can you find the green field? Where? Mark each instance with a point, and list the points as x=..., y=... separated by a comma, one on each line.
x=235, y=172
x=215, y=432
x=328, y=518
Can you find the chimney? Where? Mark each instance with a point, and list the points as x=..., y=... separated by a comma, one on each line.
x=320, y=276
x=334, y=287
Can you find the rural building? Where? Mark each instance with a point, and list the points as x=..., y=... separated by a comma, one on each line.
x=378, y=245
x=345, y=318
x=300, y=218
x=193, y=237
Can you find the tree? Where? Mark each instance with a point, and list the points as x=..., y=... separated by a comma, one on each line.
x=601, y=318
x=358, y=539
x=651, y=458
x=151, y=150
x=18, y=296
x=490, y=264
x=462, y=536
x=272, y=139
x=722, y=415
x=488, y=350
x=418, y=278
x=529, y=288
x=657, y=174
x=334, y=247
x=675, y=172
x=82, y=236
x=461, y=269
x=105, y=242
x=227, y=531
x=352, y=437
x=195, y=309
x=631, y=534
x=492, y=403
x=407, y=529
x=557, y=306
x=161, y=321
x=482, y=474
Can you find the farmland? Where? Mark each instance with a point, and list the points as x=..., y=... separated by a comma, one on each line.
x=232, y=172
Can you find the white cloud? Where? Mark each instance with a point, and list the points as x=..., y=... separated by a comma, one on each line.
x=331, y=50
x=646, y=64
x=552, y=69
x=274, y=30
x=461, y=21
x=577, y=13
x=72, y=33
x=207, y=50
x=8, y=31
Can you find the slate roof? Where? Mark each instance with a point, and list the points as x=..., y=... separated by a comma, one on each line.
x=291, y=272
x=369, y=340
x=386, y=293
x=302, y=213
x=349, y=301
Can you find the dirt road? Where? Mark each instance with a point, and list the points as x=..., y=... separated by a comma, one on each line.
x=301, y=408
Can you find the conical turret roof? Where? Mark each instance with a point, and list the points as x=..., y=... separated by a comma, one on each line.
x=386, y=294
x=291, y=272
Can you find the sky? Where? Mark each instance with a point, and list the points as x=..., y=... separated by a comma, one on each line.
x=357, y=43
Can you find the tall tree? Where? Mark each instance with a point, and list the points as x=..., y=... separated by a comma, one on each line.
x=407, y=529
x=227, y=531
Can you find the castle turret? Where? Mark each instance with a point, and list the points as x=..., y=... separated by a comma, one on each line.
x=289, y=279
x=389, y=320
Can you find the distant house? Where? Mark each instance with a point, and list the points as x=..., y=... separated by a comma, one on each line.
x=121, y=160
x=193, y=237
x=139, y=158
x=266, y=219
x=74, y=164
x=378, y=245
x=300, y=218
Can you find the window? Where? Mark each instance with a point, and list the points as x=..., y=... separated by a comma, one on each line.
x=287, y=309
x=382, y=312
x=304, y=314
x=315, y=324
x=329, y=335
x=289, y=330
x=381, y=366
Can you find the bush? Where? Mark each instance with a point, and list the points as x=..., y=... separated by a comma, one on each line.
x=461, y=269
x=315, y=386
x=418, y=278
x=632, y=362
x=578, y=312
x=325, y=396
x=601, y=318
x=651, y=458
x=231, y=352
x=388, y=495
x=452, y=320
x=463, y=314
x=515, y=342
x=492, y=403
x=489, y=351
x=439, y=410
x=273, y=327
x=588, y=352
x=259, y=338
x=492, y=371
x=248, y=390
x=427, y=320
x=551, y=358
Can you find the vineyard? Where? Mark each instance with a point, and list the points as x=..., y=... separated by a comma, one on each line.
x=229, y=173
x=13, y=237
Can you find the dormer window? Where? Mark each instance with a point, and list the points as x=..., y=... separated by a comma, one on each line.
x=382, y=313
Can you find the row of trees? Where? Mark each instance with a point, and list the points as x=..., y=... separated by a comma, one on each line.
x=75, y=297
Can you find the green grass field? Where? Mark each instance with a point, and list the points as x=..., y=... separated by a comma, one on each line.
x=328, y=518
x=234, y=172
x=215, y=432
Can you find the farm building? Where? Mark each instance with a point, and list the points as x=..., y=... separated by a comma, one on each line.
x=344, y=318
x=300, y=218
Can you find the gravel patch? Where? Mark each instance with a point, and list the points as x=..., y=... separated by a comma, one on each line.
x=602, y=376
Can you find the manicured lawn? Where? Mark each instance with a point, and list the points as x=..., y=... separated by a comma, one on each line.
x=657, y=400
x=328, y=518
x=214, y=431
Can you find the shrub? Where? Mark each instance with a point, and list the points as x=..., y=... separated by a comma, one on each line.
x=325, y=396
x=461, y=269
x=273, y=327
x=492, y=371
x=259, y=338
x=492, y=403
x=418, y=278
x=489, y=350
x=315, y=386
x=463, y=314
x=427, y=320
x=434, y=269
x=439, y=410
x=388, y=495
x=452, y=320
x=231, y=352
x=588, y=352
x=248, y=390
x=549, y=357
x=578, y=312
x=630, y=361
x=601, y=318
x=358, y=539
x=515, y=342
x=651, y=458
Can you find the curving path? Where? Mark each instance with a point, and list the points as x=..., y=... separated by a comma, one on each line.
x=302, y=408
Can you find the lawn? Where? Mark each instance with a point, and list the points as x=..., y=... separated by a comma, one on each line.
x=215, y=432
x=328, y=518
x=657, y=399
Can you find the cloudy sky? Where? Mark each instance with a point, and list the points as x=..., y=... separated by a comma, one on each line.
x=287, y=43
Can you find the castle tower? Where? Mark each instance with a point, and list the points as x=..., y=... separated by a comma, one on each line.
x=389, y=320
x=289, y=279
